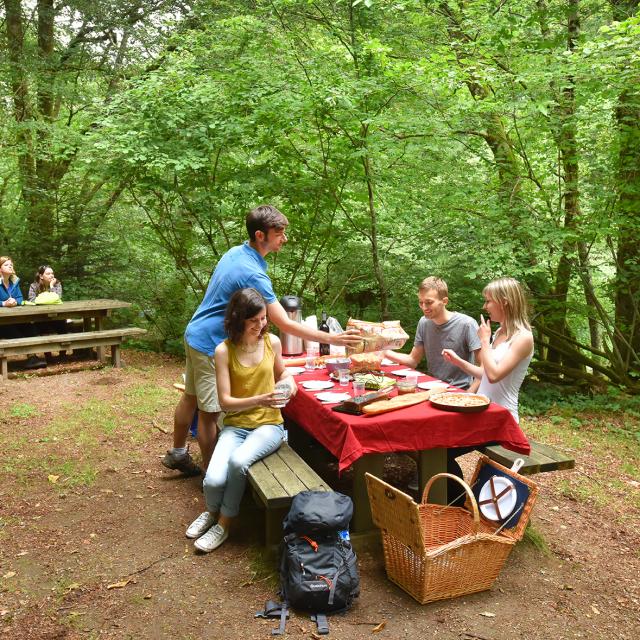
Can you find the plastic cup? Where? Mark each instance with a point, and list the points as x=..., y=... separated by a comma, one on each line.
x=282, y=392
x=358, y=388
x=343, y=377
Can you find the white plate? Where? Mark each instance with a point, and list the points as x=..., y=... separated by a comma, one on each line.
x=433, y=384
x=332, y=397
x=317, y=385
x=405, y=372
x=505, y=503
x=387, y=363
x=295, y=371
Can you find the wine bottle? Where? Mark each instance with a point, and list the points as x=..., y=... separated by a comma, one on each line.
x=323, y=326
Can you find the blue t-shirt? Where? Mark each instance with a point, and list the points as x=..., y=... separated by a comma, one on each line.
x=240, y=267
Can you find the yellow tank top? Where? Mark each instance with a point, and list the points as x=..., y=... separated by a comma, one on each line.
x=252, y=381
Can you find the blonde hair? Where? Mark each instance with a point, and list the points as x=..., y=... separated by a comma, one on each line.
x=432, y=282
x=510, y=293
x=13, y=277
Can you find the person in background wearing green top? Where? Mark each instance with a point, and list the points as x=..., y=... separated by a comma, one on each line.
x=248, y=366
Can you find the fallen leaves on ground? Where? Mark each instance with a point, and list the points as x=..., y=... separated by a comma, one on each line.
x=121, y=584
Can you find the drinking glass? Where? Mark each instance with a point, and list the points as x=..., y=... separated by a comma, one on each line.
x=282, y=392
x=313, y=350
x=358, y=388
x=408, y=385
x=343, y=377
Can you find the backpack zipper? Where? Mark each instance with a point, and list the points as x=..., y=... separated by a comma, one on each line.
x=313, y=543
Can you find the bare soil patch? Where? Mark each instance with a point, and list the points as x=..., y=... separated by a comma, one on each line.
x=92, y=535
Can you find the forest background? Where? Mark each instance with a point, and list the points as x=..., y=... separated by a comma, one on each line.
x=467, y=139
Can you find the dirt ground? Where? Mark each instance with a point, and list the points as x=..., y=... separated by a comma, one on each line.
x=92, y=536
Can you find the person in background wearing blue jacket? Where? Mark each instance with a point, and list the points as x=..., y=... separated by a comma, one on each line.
x=11, y=296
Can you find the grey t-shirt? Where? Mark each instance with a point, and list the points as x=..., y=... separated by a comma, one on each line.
x=458, y=333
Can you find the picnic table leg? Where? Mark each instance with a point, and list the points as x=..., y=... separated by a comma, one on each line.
x=374, y=464
x=273, y=525
x=430, y=462
x=100, y=350
x=115, y=356
x=4, y=370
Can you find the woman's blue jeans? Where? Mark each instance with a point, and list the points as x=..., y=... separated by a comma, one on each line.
x=236, y=450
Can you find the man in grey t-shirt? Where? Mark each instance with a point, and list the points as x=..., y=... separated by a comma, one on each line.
x=440, y=329
x=437, y=330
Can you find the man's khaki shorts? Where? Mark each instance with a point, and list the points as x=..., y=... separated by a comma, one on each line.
x=200, y=379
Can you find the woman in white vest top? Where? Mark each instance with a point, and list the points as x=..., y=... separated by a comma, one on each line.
x=506, y=357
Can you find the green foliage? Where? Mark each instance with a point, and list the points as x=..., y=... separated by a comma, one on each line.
x=538, y=399
x=23, y=410
x=400, y=139
x=534, y=538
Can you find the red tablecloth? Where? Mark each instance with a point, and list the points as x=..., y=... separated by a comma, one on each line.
x=418, y=427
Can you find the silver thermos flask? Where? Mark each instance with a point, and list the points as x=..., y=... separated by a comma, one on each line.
x=291, y=345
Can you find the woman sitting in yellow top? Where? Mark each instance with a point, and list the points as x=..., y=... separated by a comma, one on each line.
x=248, y=365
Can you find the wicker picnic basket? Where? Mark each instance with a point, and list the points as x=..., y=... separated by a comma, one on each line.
x=434, y=551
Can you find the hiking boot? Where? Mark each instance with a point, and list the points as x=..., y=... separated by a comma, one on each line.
x=181, y=462
x=200, y=525
x=34, y=362
x=212, y=539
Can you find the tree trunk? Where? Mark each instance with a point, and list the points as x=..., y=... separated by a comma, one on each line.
x=627, y=280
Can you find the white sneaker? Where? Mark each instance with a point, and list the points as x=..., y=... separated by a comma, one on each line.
x=212, y=539
x=202, y=523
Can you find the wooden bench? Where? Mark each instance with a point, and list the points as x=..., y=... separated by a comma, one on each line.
x=66, y=341
x=275, y=480
x=542, y=458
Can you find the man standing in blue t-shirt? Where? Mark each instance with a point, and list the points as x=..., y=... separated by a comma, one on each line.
x=240, y=267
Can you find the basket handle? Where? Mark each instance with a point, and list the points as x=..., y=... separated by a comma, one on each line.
x=465, y=486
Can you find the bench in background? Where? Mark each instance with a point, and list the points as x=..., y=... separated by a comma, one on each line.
x=542, y=458
x=275, y=480
x=65, y=342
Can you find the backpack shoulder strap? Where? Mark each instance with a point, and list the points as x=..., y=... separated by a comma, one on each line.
x=284, y=614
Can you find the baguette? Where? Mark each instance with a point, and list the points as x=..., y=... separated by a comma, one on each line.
x=300, y=362
x=399, y=402
x=294, y=362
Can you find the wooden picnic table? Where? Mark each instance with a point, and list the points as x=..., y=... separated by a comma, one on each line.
x=92, y=313
x=88, y=310
x=363, y=441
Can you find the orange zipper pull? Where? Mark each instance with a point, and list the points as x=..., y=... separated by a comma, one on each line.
x=313, y=543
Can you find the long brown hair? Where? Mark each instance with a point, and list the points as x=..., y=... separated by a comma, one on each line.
x=38, y=281
x=244, y=304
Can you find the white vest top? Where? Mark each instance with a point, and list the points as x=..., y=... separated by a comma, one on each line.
x=505, y=391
